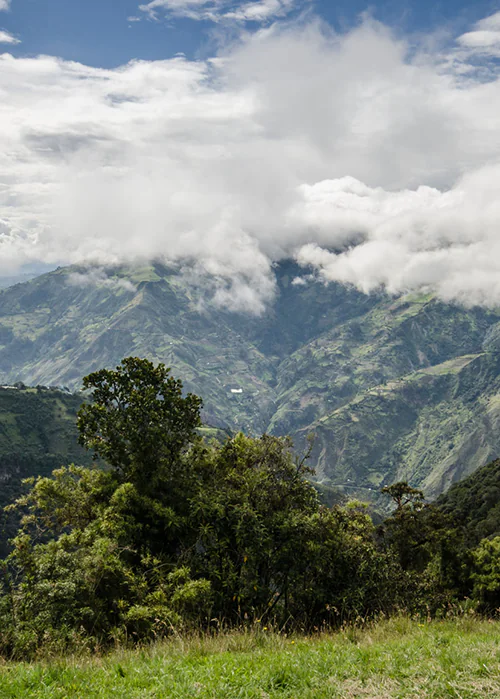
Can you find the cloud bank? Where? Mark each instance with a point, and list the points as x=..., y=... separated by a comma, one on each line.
x=4, y=5
x=370, y=160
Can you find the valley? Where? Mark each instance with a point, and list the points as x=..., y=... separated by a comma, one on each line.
x=403, y=388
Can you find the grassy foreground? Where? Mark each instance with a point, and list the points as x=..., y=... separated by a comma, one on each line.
x=395, y=658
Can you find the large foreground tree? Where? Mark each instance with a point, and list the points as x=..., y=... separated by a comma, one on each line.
x=138, y=420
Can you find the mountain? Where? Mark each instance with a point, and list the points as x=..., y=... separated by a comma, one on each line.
x=430, y=428
x=393, y=388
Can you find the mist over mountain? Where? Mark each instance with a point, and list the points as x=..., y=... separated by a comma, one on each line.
x=368, y=156
x=394, y=388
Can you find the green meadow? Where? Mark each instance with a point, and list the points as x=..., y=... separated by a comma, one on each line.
x=393, y=658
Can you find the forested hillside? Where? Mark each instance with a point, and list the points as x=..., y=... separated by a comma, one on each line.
x=394, y=388
x=37, y=434
x=474, y=503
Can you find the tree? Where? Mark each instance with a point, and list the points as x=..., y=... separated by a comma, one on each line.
x=252, y=511
x=404, y=495
x=271, y=551
x=419, y=533
x=140, y=423
x=486, y=574
x=138, y=420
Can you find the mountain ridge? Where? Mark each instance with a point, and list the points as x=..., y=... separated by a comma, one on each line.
x=318, y=355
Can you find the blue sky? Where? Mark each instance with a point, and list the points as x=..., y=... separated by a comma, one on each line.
x=98, y=33
x=223, y=136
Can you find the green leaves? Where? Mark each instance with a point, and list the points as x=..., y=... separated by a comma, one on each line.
x=486, y=574
x=138, y=421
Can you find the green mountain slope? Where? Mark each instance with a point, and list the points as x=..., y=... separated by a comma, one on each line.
x=393, y=388
x=54, y=331
x=430, y=428
x=474, y=503
x=390, y=340
x=37, y=434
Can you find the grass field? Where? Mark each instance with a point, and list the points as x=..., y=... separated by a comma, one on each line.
x=395, y=658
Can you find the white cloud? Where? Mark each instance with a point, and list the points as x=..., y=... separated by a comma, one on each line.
x=375, y=168
x=447, y=242
x=261, y=11
x=485, y=37
x=4, y=5
x=7, y=38
x=94, y=276
x=194, y=9
x=221, y=10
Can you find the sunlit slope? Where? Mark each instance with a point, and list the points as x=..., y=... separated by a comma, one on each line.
x=431, y=428
x=390, y=340
x=54, y=330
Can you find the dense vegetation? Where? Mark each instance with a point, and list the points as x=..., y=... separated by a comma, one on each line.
x=37, y=434
x=178, y=533
x=474, y=503
x=394, y=388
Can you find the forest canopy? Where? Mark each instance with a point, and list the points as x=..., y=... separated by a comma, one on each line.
x=180, y=533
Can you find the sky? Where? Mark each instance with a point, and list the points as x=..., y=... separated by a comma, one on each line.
x=222, y=136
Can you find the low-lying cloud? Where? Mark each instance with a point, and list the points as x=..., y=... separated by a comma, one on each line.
x=97, y=277
x=373, y=161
